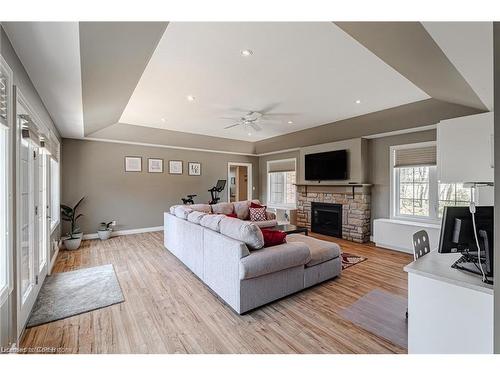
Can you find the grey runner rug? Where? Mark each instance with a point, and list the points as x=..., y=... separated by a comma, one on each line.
x=381, y=313
x=71, y=293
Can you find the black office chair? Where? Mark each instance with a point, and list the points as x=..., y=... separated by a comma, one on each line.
x=421, y=247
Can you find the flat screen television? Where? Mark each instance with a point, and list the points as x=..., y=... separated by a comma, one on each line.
x=326, y=166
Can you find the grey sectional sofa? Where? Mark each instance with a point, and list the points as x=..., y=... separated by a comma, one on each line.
x=227, y=254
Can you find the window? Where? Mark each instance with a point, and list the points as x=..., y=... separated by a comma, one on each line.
x=416, y=192
x=54, y=194
x=281, y=183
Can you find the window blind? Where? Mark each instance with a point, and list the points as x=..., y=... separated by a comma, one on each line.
x=281, y=166
x=418, y=156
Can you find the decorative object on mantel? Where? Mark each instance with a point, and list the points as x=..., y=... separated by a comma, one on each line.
x=349, y=260
x=133, y=164
x=175, y=166
x=155, y=165
x=194, y=168
x=74, y=237
x=105, y=230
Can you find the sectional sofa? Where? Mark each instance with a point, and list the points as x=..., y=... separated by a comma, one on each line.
x=229, y=256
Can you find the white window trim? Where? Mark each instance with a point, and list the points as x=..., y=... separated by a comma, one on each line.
x=291, y=206
x=55, y=224
x=9, y=287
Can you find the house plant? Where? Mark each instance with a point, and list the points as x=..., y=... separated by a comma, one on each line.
x=74, y=237
x=104, y=231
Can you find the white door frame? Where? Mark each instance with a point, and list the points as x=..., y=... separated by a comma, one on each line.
x=249, y=179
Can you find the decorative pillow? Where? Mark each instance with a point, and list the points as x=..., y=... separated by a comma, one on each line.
x=258, y=213
x=253, y=204
x=243, y=231
x=223, y=208
x=273, y=237
x=232, y=215
x=241, y=209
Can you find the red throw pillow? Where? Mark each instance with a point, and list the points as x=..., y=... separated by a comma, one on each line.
x=232, y=215
x=273, y=237
x=257, y=214
x=256, y=205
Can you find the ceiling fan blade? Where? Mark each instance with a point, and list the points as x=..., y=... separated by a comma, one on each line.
x=230, y=118
x=232, y=126
x=280, y=114
x=269, y=108
x=255, y=127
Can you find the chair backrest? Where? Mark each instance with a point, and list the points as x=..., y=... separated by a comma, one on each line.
x=421, y=244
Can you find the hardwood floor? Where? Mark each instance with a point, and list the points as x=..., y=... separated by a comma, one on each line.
x=168, y=310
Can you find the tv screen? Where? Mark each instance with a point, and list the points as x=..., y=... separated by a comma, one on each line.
x=326, y=166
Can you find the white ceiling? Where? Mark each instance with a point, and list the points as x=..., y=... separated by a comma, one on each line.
x=314, y=71
x=469, y=47
x=50, y=53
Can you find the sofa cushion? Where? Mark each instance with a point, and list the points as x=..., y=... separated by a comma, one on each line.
x=201, y=207
x=182, y=212
x=196, y=216
x=273, y=259
x=321, y=251
x=223, y=208
x=172, y=208
x=266, y=223
x=212, y=221
x=273, y=237
x=243, y=231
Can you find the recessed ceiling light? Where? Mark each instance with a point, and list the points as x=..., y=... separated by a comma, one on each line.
x=190, y=98
x=246, y=52
x=290, y=122
x=358, y=101
x=163, y=120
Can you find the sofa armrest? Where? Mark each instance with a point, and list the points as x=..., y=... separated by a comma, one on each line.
x=270, y=215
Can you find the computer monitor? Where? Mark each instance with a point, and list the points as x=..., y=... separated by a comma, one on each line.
x=457, y=234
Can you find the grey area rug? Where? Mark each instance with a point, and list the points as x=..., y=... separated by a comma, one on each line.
x=381, y=313
x=71, y=293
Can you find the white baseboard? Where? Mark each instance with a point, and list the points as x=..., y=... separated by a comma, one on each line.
x=53, y=260
x=92, y=236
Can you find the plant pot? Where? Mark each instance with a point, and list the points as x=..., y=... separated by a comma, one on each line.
x=73, y=243
x=104, y=234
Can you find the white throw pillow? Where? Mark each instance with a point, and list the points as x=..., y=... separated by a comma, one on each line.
x=211, y=221
x=196, y=216
x=243, y=231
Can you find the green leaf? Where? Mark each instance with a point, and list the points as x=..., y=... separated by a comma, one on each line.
x=80, y=201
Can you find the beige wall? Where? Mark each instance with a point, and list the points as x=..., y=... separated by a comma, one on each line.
x=136, y=199
x=379, y=168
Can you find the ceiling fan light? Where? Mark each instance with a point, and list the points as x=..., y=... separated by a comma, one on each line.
x=246, y=52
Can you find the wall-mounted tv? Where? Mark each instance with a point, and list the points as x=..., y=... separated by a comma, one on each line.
x=326, y=166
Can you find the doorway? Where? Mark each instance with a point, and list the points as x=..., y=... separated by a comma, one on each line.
x=239, y=176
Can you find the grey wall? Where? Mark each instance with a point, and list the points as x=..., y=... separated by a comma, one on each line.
x=22, y=81
x=379, y=168
x=136, y=199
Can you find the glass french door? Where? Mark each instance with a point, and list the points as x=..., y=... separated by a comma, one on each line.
x=32, y=260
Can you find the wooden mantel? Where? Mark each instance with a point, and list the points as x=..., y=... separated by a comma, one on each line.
x=339, y=184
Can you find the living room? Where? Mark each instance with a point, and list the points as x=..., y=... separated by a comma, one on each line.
x=248, y=187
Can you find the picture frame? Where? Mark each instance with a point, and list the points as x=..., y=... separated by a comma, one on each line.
x=155, y=165
x=194, y=168
x=133, y=164
x=175, y=167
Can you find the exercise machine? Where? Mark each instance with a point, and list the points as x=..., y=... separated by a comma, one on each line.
x=215, y=191
x=189, y=199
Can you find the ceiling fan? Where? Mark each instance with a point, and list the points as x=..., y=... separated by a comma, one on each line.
x=252, y=119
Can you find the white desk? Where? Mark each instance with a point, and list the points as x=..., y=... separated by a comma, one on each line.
x=449, y=311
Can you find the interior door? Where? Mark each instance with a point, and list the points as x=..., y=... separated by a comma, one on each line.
x=41, y=213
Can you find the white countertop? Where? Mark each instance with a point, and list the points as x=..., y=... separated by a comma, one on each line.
x=438, y=266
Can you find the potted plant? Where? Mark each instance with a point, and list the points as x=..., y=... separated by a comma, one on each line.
x=74, y=237
x=104, y=231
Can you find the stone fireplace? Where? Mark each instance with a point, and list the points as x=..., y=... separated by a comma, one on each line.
x=351, y=203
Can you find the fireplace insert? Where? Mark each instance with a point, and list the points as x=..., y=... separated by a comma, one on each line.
x=326, y=218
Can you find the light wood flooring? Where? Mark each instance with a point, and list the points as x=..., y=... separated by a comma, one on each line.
x=168, y=310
